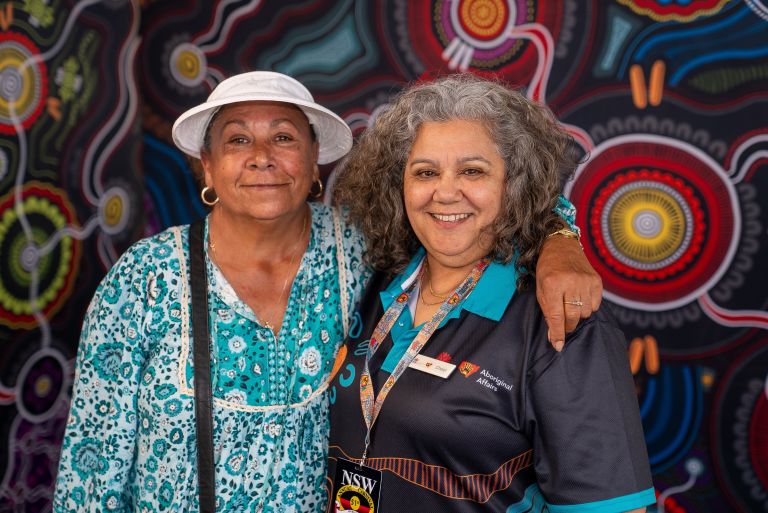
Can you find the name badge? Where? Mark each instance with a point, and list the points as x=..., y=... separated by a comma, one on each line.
x=356, y=489
x=432, y=366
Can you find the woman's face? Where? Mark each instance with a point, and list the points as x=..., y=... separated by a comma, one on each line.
x=453, y=187
x=262, y=160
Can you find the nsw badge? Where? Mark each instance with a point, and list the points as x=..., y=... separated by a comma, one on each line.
x=356, y=489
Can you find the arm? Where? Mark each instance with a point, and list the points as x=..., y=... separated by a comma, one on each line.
x=99, y=442
x=563, y=273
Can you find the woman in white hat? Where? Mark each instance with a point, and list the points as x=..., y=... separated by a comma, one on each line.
x=266, y=283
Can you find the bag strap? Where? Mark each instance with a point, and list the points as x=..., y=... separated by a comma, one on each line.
x=341, y=264
x=206, y=475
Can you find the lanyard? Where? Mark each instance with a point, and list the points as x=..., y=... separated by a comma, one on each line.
x=371, y=407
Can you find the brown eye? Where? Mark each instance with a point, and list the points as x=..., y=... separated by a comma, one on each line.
x=237, y=139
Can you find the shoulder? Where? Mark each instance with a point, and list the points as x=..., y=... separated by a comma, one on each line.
x=526, y=305
x=595, y=337
x=337, y=230
x=326, y=216
x=155, y=245
x=160, y=252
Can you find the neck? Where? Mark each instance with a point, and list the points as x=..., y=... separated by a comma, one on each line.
x=256, y=240
x=444, y=279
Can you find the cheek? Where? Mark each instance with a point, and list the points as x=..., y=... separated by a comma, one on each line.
x=490, y=199
x=301, y=166
x=416, y=194
x=412, y=203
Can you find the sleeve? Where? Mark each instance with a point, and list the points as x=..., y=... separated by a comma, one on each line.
x=567, y=212
x=351, y=241
x=583, y=419
x=97, y=456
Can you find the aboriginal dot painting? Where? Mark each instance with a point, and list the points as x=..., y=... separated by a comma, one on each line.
x=669, y=98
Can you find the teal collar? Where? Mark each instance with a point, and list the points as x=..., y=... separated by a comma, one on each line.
x=490, y=298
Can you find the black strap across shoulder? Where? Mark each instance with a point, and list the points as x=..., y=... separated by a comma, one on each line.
x=202, y=369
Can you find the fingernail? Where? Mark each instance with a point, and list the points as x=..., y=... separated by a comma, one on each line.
x=559, y=346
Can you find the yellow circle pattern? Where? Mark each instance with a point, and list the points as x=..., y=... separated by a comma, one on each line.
x=188, y=64
x=654, y=244
x=22, y=305
x=484, y=18
x=113, y=210
x=13, y=58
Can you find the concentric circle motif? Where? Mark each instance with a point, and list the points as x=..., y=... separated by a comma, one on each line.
x=47, y=211
x=188, y=64
x=740, y=415
x=114, y=210
x=680, y=11
x=23, y=83
x=41, y=383
x=670, y=432
x=471, y=34
x=661, y=220
x=482, y=21
x=649, y=225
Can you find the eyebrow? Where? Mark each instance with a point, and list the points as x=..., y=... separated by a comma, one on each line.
x=275, y=122
x=469, y=158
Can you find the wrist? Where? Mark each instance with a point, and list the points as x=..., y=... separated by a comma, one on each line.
x=566, y=233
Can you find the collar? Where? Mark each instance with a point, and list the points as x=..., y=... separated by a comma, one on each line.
x=489, y=299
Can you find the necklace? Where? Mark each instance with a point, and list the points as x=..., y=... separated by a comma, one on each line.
x=428, y=275
x=267, y=324
x=288, y=277
x=432, y=291
x=424, y=301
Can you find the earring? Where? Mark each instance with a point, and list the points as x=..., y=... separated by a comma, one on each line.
x=318, y=194
x=203, y=197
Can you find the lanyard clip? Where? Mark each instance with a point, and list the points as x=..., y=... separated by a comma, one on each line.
x=365, y=451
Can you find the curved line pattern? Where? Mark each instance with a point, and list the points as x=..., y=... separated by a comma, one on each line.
x=640, y=40
x=216, y=23
x=650, y=396
x=678, y=75
x=233, y=18
x=691, y=33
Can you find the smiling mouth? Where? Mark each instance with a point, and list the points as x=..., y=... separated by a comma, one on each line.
x=450, y=218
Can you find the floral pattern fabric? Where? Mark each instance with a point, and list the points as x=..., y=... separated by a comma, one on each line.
x=130, y=440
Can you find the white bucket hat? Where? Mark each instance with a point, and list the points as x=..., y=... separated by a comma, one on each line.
x=333, y=134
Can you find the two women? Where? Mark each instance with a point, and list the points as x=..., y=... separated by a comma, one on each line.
x=283, y=276
x=449, y=398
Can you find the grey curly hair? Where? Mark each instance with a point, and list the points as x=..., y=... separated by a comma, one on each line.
x=534, y=147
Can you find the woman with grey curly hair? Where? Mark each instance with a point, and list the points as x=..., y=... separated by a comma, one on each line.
x=530, y=143
x=454, y=188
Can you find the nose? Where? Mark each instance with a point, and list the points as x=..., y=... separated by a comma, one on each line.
x=447, y=189
x=261, y=157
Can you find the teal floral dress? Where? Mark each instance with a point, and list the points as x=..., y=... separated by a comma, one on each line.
x=130, y=439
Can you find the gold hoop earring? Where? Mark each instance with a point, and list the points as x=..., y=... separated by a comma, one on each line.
x=205, y=199
x=318, y=194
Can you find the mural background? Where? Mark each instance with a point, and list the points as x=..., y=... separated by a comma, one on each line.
x=670, y=98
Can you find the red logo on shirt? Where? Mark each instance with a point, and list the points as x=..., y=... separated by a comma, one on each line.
x=467, y=368
x=444, y=357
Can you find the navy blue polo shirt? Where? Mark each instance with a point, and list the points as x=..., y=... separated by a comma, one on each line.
x=516, y=427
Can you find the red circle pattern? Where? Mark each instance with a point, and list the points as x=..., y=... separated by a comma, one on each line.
x=694, y=180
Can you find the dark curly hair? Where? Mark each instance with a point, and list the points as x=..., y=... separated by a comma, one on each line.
x=538, y=155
